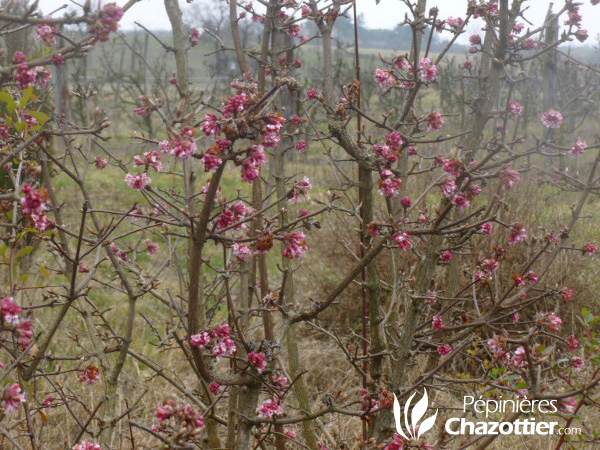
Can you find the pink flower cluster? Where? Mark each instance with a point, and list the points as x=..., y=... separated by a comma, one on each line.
x=549, y=320
x=253, y=162
x=403, y=240
x=34, y=207
x=270, y=407
x=299, y=193
x=183, y=417
x=295, y=245
x=86, y=445
x=231, y=215
x=150, y=159
x=219, y=338
x=428, y=71
x=389, y=185
x=26, y=77
x=385, y=78
x=107, y=21
x=194, y=37
x=517, y=233
x=552, y=119
x=90, y=375
x=258, y=360
x=11, y=397
x=242, y=252
x=46, y=33
x=139, y=181
x=181, y=147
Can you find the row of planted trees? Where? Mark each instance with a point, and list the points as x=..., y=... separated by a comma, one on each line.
x=177, y=282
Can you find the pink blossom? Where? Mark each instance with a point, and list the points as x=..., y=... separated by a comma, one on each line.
x=150, y=159
x=86, y=445
x=460, y=200
x=11, y=311
x=90, y=375
x=107, y=21
x=294, y=30
x=211, y=126
x=496, y=347
x=549, y=320
x=437, y=323
x=435, y=121
x=467, y=65
x=455, y=23
x=578, y=148
x=487, y=228
x=517, y=233
x=577, y=363
x=211, y=162
x=194, y=36
x=515, y=108
x=300, y=190
x=295, y=245
x=258, y=360
x=242, y=252
x=46, y=33
x=402, y=63
x=552, y=119
x=448, y=186
x=200, y=340
x=57, y=59
x=389, y=185
x=405, y=202
x=152, y=247
x=520, y=358
x=231, y=215
x=24, y=333
x=475, y=39
x=445, y=349
x=34, y=207
x=214, y=388
x=138, y=182
x=567, y=294
x=569, y=405
x=446, y=256
x=312, y=94
x=100, y=163
x=301, y=146
x=572, y=343
x=510, y=178
x=235, y=104
x=590, y=249
x=428, y=71
x=385, y=78
x=396, y=444
x=403, y=241
x=290, y=434
x=270, y=407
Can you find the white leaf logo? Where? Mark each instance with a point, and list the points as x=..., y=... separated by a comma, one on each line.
x=418, y=427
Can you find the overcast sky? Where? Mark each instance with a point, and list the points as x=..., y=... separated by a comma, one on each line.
x=387, y=14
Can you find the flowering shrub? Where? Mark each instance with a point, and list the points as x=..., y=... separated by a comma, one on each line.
x=228, y=270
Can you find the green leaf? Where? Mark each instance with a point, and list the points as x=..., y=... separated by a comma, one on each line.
x=41, y=117
x=45, y=272
x=24, y=251
x=6, y=97
x=26, y=95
